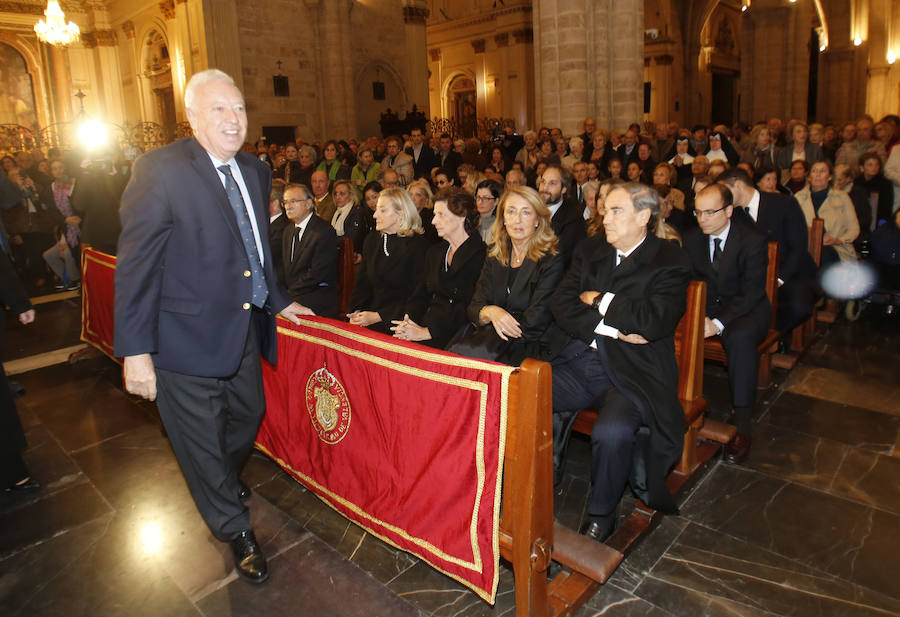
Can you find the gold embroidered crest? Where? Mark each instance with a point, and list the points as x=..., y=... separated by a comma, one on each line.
x=328, y=406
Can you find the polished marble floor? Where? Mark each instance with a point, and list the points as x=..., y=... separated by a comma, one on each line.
x=809, y=526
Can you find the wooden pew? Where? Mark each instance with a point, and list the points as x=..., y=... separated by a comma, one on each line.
x=802, y=335
x=346, y=274
x=712, y=347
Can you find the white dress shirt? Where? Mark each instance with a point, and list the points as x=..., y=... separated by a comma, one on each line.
x=602, y=329
x=299, y=228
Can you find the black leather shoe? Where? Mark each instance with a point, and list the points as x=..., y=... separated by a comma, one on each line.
x=599, y=528
x=245, y=492
x=24, y=487
x=16, y=388
x=738, y=449
x=249, y=561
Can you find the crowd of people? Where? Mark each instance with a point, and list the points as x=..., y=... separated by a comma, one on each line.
x=577, y=251
x=491, y=249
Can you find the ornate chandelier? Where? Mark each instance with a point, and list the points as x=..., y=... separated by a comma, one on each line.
x=55, y=30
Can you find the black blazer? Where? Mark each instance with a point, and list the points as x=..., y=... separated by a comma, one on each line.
x=781, y=220
x=568, y=225
x=650, y=288
x=357, y=226
x=738, y=289
x=386, y=282
x=443, y=296
x=311, y=276
x=181, y=287
x=276, y=229
x=526, y=297
x=453, y=161
x=427, y=161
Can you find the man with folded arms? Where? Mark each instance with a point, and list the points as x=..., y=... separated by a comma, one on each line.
x=619, y=306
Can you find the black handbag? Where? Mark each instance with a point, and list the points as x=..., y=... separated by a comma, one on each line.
x=479, y=342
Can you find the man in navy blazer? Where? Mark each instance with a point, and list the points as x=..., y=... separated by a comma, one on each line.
x=196, y=299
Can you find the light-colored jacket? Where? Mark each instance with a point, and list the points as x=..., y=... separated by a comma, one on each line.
x=840, y=219
x=892, y=173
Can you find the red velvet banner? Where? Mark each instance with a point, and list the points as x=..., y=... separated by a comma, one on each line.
x=98, y=271
x=405, y=441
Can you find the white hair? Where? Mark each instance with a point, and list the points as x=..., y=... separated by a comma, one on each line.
x=576, y=141
x=201, y=79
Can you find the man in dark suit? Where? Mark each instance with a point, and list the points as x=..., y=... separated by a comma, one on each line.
x=424, y=159
x=309, y=248
x=730, y=255
x=781, y=220
x=196, y=299
x=277, y=223
x=447, y=157
x=620, y=303
x=566, y=219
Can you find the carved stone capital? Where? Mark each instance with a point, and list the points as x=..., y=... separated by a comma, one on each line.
x=167, y=8
x=435, y=54
x=415, y=15
x=502, y=39
x=664, y=60
x=128, y=29
x=523, y=36
x=106, y=38
x=478, y=45
x=88, y=40
x=22, y=8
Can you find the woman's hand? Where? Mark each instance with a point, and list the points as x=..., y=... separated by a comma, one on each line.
x=504, y=324
x=830, y=240
x=408, y=330
x=634, y=338
x=73, y=220
x=364, y=318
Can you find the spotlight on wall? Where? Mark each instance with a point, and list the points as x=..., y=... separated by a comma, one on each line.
x=891, y=57
x=92, y=134
x=823, y=47
x=857, y=42
x=745, y=4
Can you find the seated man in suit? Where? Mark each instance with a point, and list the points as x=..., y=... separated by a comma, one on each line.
x=309, y=251
x=781, y=220
x=277, y=222
x=566, y=220
x=620, y=304
x=730, y=255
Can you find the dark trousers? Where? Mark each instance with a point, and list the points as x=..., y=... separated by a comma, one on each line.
x=580, y=380
x=796, y=299
x=12, y=437
x=740, y=340
x=212, y=424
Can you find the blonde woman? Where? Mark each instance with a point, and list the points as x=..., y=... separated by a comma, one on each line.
x=420, y=192
x=511, y=305
x=392, y=263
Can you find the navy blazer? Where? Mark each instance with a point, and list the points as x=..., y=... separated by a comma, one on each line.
x=182, y=283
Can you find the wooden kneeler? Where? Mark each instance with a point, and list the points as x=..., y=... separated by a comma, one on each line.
x=803, y=335
x=712, y=347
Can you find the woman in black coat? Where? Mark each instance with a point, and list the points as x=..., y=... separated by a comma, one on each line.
x=392, y=264
x=452, y=268
x=14, y=475
x=516, y=285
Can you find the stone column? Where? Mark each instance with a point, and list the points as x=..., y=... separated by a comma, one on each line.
x=415, y=15
x=336, y=69
x=223, y=45
x=589, y=61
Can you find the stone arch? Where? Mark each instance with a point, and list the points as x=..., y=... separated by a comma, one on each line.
x=368, y=108
x=154, y=66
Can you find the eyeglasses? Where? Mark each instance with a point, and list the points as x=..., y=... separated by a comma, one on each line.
x=707, y=213
x=294, y=202
x=483, y=198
